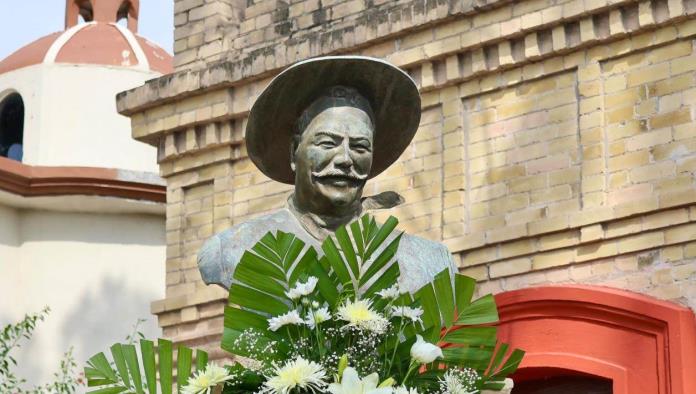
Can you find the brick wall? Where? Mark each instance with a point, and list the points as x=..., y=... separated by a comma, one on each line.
x=557, y=142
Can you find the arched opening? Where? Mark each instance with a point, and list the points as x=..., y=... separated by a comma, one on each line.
x=86, y=10
x=584, y=338
x=12, y=127
x=127, y=14
x=561, y=381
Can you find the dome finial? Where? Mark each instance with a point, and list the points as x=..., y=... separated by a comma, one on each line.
x=102, y=11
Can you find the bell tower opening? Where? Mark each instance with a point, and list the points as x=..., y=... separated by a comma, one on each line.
x=109, y=11
x=85, y=10
x=12, y=127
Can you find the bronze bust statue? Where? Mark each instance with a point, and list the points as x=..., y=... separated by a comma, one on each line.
x=327, y=125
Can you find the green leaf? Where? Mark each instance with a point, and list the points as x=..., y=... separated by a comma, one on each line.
x=445, y=296
x=472, y=336
x=131, y=357
x=251, y=298
x=183, y=366
x=339, y=267
x=201, y=360
x=147, y=351
x=481, y=311
x=164, y=349
x=464, y=288
x=347, y=249
x=240, y=319
x=388, y=277
x=119, y=360
x=100, y=363
x=382, y=233
x=381, y=260
x=327, y=287
x=357, y=236
x=109, y=390
x=129, y=376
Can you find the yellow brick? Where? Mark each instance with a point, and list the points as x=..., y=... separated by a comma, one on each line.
x=653, y=171
x=644, y=201
x=671, y=85
x=506, y=233
x=527, y=183
x=479, y=273
x=665, y=218
x=485, y=224
x=671, y=119
x=618, y=115
x=517, y=248
x=640, y=242
x=650, y=139
x=671, y=51
x=479, y=256
x=596, y=250
x=566, y=176
x=623, y=98
x=682, y=233
x=510, y=267
x=623, y=227
x=591, y=233
x=628, y=160
x=560, y=192
x=614, y=84
x=553, y=259
x=548, y=225
x=590, y=89
x=647, y=74
x=508, y=203
x=690, y=250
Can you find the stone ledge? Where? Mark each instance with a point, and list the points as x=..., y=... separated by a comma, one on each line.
x=627, y=236
x=487, y=76
x=255, y=66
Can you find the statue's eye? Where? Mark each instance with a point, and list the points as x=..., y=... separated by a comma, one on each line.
x=326, y=143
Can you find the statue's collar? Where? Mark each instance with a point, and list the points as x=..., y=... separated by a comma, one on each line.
x=319, y=227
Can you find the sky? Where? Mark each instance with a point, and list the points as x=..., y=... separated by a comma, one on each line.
x=24, y=21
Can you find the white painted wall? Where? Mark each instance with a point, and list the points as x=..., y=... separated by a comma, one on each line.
x=98, y=272
x=9, y=236
x=71, y=118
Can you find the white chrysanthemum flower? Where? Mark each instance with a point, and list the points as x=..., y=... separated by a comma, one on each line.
x=407, y=312
x=317, y=316
x=425, y=352
x=206, y=379
x=291, y=317
x=302, y=289
x=360, y=314
x=352, y=384
x=459, y=381
x=390, y=293
x=300, y=374
x=405, y=390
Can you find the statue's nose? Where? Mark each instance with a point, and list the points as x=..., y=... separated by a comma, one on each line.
x=342, y=158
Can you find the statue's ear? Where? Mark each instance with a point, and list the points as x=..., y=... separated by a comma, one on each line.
x=293, y=150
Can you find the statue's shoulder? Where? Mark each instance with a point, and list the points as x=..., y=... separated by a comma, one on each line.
x=420, y=260
x=221, y=252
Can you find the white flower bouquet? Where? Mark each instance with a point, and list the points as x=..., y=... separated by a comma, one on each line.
x=338, y=323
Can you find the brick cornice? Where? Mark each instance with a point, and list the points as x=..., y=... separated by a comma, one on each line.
x=34, y=181
x=490, y=47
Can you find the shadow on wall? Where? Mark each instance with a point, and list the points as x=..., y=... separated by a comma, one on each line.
x=92, y=228
x=100, y=319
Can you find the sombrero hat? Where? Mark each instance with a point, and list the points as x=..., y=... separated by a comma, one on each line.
x=392, y=94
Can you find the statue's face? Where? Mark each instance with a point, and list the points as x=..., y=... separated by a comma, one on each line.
x=333, y=158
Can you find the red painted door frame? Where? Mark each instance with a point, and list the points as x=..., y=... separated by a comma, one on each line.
x=644, y=345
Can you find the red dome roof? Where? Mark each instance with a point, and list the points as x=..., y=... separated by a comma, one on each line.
x=100, y=43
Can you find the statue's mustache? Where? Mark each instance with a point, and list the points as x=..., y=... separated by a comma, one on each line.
x=332, y=172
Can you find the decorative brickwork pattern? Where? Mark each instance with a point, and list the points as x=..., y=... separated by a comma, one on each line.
x=557, y=142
